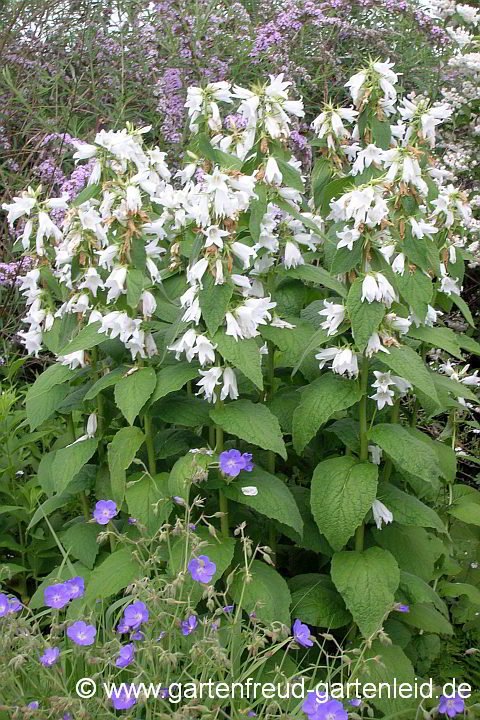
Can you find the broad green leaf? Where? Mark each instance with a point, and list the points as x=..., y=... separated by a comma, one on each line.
x=364, y=316
x=133, y=391
x=343, y=490
x=417, y=590
x=286, y=207
x=453, y=589
x=447, y=384
x=316, y=601
x=121, y=451
x=290, y=176
x=466, y=512
x=393, y=668
x=232, y=162
x=115, y=573
x=80, y=541
x=214, y=301
x=367, y=581
x=60, y=333
x=426, y=618
x=464, y=309
x=283, y=405
x=319, y=276
x=172, y=378
x=182, y=410
x=88, y=337
x=407, y=451
x=111, y=378
x=70, y=460
x=298, y=345
x=348, y=431
x=344, y=259
x=407, y=509
x=173, y=441
x=415, y=550
x=86, y=194
x=258, y=208
x=266, y=593
x=251, y=422
x=135, y=284
x=439, y=337
x=321, y=174
x=405, y=362
x=381, y=133
x=148, y=501
x=49, y=506
x=47, y=394
x=468, y=343
x=183, y=473
x=274, y=498
x=333, y=190
x=325, y=396
x=416, y=289
x=242, y=354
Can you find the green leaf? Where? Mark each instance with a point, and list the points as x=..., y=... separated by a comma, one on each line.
x=286, y=207
x=407, y=452
x=381, y=133
x=70, y=460
x=266, y=593
x=183, y=410
x=203, y=145
x=148, y=501
x=464, y=309
x=466, y=512
x=242, y=354
x=426, y=618
x=321, y=174
x=407, y=509
x=282, y=405
x=345, y=260
x=393, y=669
x=367, y=581
x=447, y=384
x=417, y=590
x=80, y=541
x=183, y=473
x=133, y=391
x=415, y=550
x=452, y=589
x=49, y=506
x=298, y=344
x=325, y=396
x=135, y=284
x=365, y=317
x=172, y=378
x=115, y=573
x=468, y=343
x=111, y=378
x=251, y=422
x=258, y=208
x=439, y=337
x=274, y=499
x=214, y=301
x=333, y=190
x=311, y=539
x=231, y=162
x=121, y=451
x=319, y=276
x=47, y=394
x=405, y=362
x=316, y=601
x=88, y=337
x=416, y=289
x=342, y=493
x=290, y=176
x=86, y=194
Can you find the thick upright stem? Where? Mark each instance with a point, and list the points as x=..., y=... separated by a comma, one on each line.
x=359, y=535
x=148, y=428
x=272, y=531
x=100, y=409
x=395, y=417
x=81, y=495
x=223, y=502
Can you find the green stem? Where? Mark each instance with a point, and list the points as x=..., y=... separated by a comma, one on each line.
x=272, y=531
x=223, y=502
x=100, y=409
x=147, y=426
x=359, y=535
x=395, y=418
x=82, y=496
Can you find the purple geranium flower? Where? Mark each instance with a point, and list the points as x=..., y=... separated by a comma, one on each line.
x=104, y=511
x=127, y=653
x=14, y=605
x=451, y=706
x=202, y=569
x=76, y=587
x=232, y=462
x=135, y=614
x=122, y=626
x=402, y=608
x=356, y=702
x=228, y=608
x=82, y=634
x=132, y=520
x=50, y=656
x=313, y=703
x=125, y=698
x=56, y=596
x=331, y=710
x=188, y=626
x=3, y=604
x=34, y=705
x=301, y=634
x=138, y=635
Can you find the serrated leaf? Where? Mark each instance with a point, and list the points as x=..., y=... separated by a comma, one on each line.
x=449, y=385
x=282, y=405
x=121, y=451
x=133, y=391
x=443, y=338
x=231, y=162
x=80, y=541
x=325, y=396
x=111, y=378
x=345, y=260
x=381, y=133
x=86, y=194
x=115, y=573
x=321, y=174
x=135, y=284
x=214, y=301
x=367, y=581
x=47, y=394
x=416, y=289
x=182, y=410
x=333, y=190
x=290, y=176
x=343, y=490
x=267, y=594
x=393, y=669
x=251, y=422
x=70, y=460
x=426, y=618
x=316, y=601
x=87, y=338
x=148, y=501
x=407, y=509
x=407, y=451
x=364, y=316
x=258, y=208
x=274, y=499
x=414, y=549
x=172, y=378
x=453, y=589
x=464, y=309
x=417, y=590
x=242, y=354
x=182, y=474
x=405, y=362
x=319, y=276
x=466, y=512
